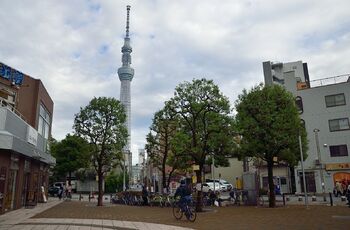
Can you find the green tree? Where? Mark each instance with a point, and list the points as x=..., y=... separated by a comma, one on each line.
x=71, y=153
x=102, y=124
x=206, y=126
x=268, y=120
x=159, y=148
x=114, y=182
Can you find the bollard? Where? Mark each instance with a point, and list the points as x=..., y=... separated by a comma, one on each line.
x=284, y=199
x=331, y=198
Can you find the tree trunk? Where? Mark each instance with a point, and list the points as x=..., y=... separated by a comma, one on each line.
x=70, y=176
x=169, y=178
x=199, y=205
x=272, y=197
x=163, y=178
x=100, y=190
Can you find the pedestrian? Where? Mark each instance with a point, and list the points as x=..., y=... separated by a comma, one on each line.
x=145, y=195
x=69, y=191
x=339, y=188
x=212, y=197
x=238, y=183
x=60, y=192
x=348, y=195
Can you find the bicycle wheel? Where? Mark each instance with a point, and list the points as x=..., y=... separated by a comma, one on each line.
x=191, y=213
x=177, y=211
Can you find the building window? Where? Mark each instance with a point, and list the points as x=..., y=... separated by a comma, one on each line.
x=44, y=122
x=339, y=124
x=299, y=104
x=338, y=150
x=335, y=100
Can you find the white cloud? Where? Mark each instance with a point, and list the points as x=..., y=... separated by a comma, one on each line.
x=74, y=47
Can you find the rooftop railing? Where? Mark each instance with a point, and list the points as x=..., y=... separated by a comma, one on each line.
x=330, y=80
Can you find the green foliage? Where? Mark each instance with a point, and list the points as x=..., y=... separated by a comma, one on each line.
x=269, y=123
x=160, y=149
x=205, y=123
x=114, y=182
x=71, y=153
x=268, y=120
x=102, y=124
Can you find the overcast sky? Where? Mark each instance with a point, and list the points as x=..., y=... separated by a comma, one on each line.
x=74, y=47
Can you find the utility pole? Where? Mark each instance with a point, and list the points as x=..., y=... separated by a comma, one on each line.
x=303, y=171
x=320, y=163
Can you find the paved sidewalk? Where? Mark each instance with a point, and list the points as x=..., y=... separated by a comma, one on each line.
x=21, y=220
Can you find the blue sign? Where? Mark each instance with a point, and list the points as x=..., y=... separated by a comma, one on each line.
x=10, y=74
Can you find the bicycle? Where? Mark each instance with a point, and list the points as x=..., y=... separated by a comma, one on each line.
x=189, y=209
x=260, y=200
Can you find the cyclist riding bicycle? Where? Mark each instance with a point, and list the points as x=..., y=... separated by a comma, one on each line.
x=185, y=195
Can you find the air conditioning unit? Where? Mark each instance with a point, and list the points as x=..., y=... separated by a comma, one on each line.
x=317, y=162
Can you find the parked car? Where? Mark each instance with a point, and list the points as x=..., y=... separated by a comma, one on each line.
x=226, y=186
x=209, y=186
x=53, y=191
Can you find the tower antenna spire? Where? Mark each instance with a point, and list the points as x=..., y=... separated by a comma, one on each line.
x=127, y=20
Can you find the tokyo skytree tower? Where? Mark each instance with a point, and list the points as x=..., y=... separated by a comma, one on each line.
x=126, y=73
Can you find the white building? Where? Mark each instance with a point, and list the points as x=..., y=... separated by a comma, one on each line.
x=324, y=107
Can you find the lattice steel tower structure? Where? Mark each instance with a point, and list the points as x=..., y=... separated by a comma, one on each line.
x=126, y=73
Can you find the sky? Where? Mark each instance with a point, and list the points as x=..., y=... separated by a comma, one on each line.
x=74, y=47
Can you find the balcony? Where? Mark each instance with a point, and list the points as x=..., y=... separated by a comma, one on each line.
x=18, y=136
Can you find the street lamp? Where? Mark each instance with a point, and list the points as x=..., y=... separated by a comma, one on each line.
x=303, y=171
x=212, y=171
x=320, y=163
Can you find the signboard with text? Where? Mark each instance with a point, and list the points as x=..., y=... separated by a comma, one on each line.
x=10, y=74
x=337, y=166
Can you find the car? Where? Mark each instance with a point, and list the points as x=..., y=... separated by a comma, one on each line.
x=208, y=186
x=226, y=186
x=59, y=184
x=53, y=191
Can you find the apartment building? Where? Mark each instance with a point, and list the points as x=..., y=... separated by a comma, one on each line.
x=324, y=107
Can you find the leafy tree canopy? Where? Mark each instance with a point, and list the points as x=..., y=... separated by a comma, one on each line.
x=268, y=120
x=71, y=153
x=205, y=124
x=102, y=124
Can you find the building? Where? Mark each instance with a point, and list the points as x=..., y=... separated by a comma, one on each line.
x=324, y=107
x=126, y=74
x=25, y=128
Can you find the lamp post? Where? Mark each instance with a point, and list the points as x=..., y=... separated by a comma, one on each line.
x=212, y=171
x=124, y=188
x=320, y=163
x=303, y=171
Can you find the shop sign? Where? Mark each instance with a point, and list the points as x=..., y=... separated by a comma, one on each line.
x=10, y=74
x=337, y=166
x=195, y=167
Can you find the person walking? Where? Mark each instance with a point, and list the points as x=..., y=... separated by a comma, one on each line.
x=145, y=196
x=348, y=194
x=60, y=192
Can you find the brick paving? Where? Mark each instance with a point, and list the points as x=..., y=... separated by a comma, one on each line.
x=288, y=217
